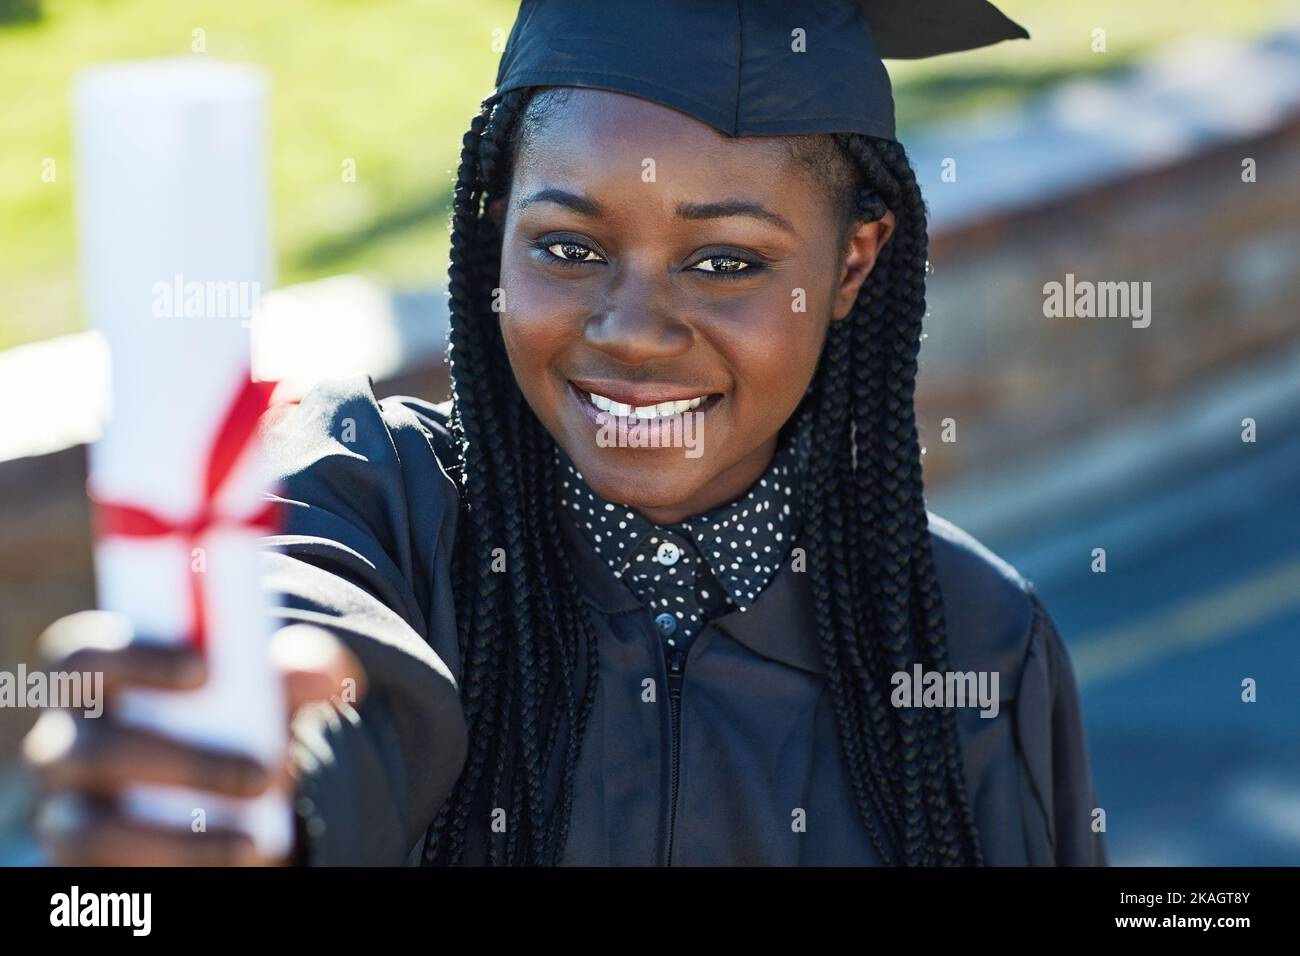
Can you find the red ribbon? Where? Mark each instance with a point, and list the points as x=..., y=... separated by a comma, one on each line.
x=233, y=438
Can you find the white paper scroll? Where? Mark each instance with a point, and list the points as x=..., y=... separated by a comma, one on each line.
x=172, y=207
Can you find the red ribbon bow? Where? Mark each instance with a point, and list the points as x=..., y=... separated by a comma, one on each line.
x=236, y=433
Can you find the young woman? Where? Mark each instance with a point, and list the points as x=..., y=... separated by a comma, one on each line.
x=660, y=586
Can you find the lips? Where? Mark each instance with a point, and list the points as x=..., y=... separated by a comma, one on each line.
x=644, y=402
x=641, y=402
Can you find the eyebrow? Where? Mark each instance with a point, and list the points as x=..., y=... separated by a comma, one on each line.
x=723, y=209
x=734, y=207
x=562, y=197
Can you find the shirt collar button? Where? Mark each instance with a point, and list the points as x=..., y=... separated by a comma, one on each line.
x=668, y=554
x=666, y=623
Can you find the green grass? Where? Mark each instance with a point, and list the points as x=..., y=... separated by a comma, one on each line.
x=389, y=83
x=392, y=84
x=1060, y=48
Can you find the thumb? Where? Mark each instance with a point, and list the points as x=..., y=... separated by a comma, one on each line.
x=316, y=666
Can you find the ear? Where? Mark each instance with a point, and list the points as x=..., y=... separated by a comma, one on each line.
x=862, y=250
x=497, y=211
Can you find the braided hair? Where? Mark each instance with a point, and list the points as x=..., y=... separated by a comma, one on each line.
x=527, y=645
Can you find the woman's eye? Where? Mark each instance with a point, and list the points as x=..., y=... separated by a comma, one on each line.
x=573, y=252
x=728, y=265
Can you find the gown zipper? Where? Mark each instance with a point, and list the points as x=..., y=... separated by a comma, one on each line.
x=676, y=671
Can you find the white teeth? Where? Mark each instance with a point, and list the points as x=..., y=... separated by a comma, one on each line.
x=647, y=412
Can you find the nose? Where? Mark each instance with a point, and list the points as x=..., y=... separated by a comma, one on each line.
x=637, y=324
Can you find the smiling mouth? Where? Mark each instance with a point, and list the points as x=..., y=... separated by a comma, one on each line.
x=651, y=410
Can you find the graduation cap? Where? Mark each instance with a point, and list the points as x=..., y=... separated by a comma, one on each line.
x=745, y=67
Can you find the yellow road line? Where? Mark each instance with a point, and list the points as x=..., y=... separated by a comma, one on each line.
x=1193, y=624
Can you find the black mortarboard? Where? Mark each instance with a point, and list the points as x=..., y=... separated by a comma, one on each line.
x=737, y=64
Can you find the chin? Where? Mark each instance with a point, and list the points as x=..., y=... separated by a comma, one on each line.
x=640, y=477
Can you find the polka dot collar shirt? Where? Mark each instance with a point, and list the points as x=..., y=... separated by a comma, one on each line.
x=710, y=564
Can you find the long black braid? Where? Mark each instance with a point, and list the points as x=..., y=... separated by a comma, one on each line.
x=528, y=647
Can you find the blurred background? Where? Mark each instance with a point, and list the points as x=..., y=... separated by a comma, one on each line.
x=1153, y=143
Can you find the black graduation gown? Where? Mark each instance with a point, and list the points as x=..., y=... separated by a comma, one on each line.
x=366, y=553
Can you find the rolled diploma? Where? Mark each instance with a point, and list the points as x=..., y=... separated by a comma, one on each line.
x=170, y=164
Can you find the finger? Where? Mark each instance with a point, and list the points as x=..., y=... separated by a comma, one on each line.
x=140, y=667
x=81, y=832
x=316, y=666
x=101, y=758
x=102, y=629
x=99, y=642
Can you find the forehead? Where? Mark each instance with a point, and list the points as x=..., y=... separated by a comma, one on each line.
x=596, y=133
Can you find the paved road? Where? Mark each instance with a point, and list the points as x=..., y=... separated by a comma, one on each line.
x=1202, y=590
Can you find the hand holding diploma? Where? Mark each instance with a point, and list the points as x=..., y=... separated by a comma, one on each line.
x=82, y=765
x=175, y=246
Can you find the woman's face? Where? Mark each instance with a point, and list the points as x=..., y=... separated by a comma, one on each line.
x=648, y=259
